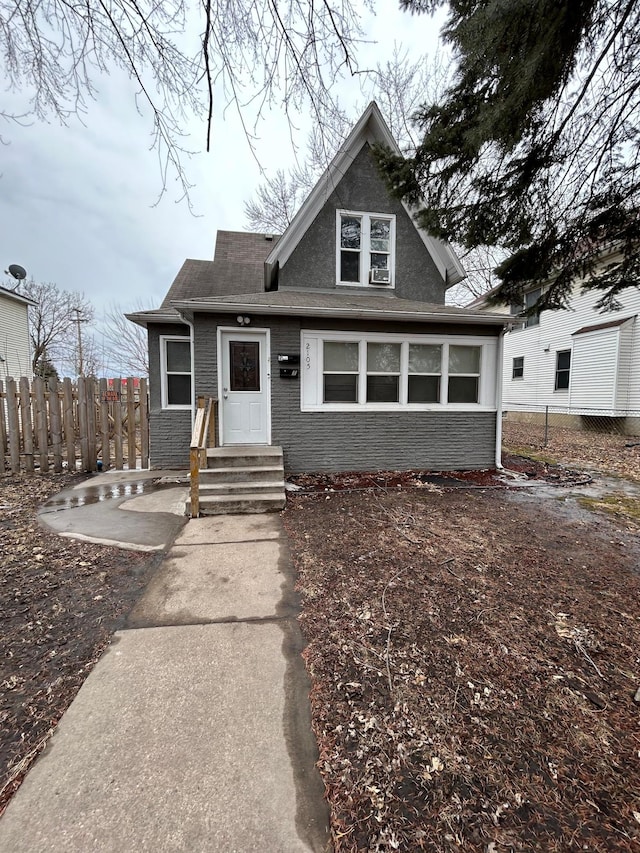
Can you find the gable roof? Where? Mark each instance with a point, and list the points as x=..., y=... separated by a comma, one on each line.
x=371, y=128
x=237, y=267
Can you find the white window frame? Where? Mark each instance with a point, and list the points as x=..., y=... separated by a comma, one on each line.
x=164, y=391
x=515, y=358
x=562, y=370
x=312, y=382
x=365, y=248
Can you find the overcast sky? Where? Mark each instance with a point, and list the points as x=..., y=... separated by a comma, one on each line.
x=77, y=202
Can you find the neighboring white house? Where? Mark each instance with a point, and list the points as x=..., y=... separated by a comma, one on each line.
x=15, y=344
x=579, y=362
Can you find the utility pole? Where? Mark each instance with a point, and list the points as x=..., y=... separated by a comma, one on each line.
x=79, y=320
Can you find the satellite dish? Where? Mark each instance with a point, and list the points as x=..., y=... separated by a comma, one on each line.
x=17, y=271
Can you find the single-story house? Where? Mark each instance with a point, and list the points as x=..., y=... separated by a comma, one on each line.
x=331, y=341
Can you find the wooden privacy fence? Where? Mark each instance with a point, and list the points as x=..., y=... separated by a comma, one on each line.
x=86, y=425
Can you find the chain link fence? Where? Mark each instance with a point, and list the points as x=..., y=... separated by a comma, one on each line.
x=602, y=439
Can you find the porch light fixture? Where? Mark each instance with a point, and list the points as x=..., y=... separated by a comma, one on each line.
x=243, y=321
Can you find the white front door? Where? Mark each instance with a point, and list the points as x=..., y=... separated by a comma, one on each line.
x=244, y=387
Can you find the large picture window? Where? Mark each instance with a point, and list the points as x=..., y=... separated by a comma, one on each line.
x=352, y=372
x=175, y=354
x=366, y=243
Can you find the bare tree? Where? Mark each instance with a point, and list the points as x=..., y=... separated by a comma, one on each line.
x=255, y=54
x=126, y=343
x=54, y=322
x=399, y=87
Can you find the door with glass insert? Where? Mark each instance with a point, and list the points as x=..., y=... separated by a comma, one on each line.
x=244, y=404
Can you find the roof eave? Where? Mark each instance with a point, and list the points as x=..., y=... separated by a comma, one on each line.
x=491, y=319
x=142, y=318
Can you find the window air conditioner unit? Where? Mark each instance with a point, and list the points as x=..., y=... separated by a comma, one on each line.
x=380, y=276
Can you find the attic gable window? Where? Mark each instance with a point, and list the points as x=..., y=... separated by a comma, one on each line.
x=365, y=249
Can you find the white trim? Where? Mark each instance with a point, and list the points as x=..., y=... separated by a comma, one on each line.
x=499, y=369
x=311, y=386
x=365, y=248
x=163, y=372
x=246, y=330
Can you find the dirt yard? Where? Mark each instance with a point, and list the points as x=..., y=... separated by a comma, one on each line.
x=60, y=602
x=607, y=453
x=474, y=656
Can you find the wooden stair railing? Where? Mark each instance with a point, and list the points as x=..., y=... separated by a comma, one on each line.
x=202, y=437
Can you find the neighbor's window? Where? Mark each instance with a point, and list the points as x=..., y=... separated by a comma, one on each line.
x=517, y=371
x=563, y=369
x=340, y=371
x=176, y=372
x=464, y=374
x=425, y=369
x=530, y=299
x=366, y=249
x=383, y=373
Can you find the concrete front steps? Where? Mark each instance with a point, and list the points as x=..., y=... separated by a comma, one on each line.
x=244, y=478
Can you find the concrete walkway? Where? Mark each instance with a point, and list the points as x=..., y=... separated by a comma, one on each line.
x=192, y=733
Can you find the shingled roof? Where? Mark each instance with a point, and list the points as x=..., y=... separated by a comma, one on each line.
x=237, y=267
x=331, y=304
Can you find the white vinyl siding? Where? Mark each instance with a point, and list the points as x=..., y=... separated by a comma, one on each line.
x=15, y=347
x=539, y=344
x=394, y=373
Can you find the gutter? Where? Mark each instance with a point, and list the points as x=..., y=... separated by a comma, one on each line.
x=192, y=348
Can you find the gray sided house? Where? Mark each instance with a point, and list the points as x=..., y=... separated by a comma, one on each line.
x=331, y=341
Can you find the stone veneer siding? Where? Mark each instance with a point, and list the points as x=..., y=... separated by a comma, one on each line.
x=343, y=441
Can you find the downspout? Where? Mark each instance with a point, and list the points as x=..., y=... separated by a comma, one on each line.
x=500, y=357
x=192, y=348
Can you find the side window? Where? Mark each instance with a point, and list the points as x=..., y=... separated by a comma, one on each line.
x=517, y=371
x=176, y=372
x=530, y=299
x=563, y=369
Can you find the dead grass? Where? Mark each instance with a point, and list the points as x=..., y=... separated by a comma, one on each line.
x=474, y=659
x=606, y=453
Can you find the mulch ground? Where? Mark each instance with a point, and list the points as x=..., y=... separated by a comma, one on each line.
x=474, y=657
x=60, y=602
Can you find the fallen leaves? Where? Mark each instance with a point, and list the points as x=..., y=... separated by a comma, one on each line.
x=60, y=601
x=489, y=707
